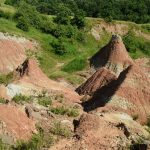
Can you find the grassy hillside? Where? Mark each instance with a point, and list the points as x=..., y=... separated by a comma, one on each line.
x=68, y=65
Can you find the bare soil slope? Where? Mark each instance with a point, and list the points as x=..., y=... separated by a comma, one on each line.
x=12, y=52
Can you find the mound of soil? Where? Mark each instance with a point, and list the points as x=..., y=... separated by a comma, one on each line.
x=32, y=79
x=99, y=79
x=113, y=56
x=15, y=125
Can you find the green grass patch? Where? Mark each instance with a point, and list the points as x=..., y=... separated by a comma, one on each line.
x=70, y=112
x=6, y=79
x=19, y=99
x=77, y=64
x=61, y=130
x=136, y=46
x=45, y=101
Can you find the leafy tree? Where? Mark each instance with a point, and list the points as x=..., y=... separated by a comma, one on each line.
x=79, y=19
x=29, y=13
x=135, y=10
x=22, y=24
x=59, y=47
x=63, y=15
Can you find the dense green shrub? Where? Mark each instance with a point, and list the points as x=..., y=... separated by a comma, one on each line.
x=47, y=26
x=65, y=31
x=77, y=64
x=29, y=14
x=59, y=47
x=78, y=19
x=22, y=24
x=63, y=15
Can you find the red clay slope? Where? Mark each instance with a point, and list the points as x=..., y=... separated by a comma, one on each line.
x=32, y=77
x=113, y=56
x=12, y=52
x=16, y=125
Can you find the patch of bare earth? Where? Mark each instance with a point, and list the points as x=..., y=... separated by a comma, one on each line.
x=15, y=125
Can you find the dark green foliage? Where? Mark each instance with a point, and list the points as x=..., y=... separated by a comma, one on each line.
x=63, y=15
x=135, y=44
x=77, y=64
x=22, y=24
x=81, y=36
x=135, y=10
x=6, y=79
x=21, y=98
x=47, y=26
x=79, y=19
x=65, y=31
x=59, y=47
x=6, y=15
x=29, y=14
x=108, y=19
x=12, y=2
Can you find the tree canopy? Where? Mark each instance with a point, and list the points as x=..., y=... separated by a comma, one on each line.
x=136, y=10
